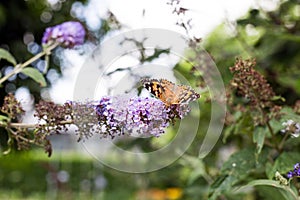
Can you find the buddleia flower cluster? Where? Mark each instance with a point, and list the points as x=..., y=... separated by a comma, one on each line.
x=295, y=172
x=251, y=84
x=11, y=111
x=11, y=107
x=297, y=107
x=110, y=116
x=85, y=118
x=114, y=116
x=67, y=34
x=255, y=91
x=140, y=115
x=291, y=127
x=52, y=119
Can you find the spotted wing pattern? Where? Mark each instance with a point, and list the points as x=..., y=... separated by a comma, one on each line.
x=169, y=92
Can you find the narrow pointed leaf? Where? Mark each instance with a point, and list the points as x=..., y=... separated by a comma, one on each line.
x=4, y=54
x=36, y=75
x=285, y=191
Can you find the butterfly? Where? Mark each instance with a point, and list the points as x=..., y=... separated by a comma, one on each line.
x=169, y=92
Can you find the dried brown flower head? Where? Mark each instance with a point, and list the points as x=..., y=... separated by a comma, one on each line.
x=12, y=107
x=297, y=107
x=250, y=84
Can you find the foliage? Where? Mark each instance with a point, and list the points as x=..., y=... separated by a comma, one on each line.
x=257, y=116
x=258, y=155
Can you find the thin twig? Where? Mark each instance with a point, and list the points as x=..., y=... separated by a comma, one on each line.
x=22, y=125
x=18, y=68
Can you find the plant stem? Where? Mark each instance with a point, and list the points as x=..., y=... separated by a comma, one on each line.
x=295, y=196
x=280, y=146
x=270, y=128
x=21, y=125
x=21, y=137
x=18, y=68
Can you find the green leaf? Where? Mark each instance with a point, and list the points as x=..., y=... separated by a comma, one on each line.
x=4, y=54
x=285, y=191
x=243, y=162
x=197, y=165
x=232, y=128
x=275, y=98
x=220, y=185
x=259, y=138
x=269, y=168
x=288, y=113
x=276, y=125
x=35, y=74
x=284, y=163
x=236, y=169
x=3, y=120
x=245, y=124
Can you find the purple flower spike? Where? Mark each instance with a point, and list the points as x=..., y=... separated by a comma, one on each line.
x=290, y=174
x=295, y=172
x=291, y=127
x=136, y=115
x=68, y=34
x=147, y=116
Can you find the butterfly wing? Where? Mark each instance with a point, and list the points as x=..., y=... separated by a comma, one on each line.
x=169, y=93
x=154, y=87
x=186, y=94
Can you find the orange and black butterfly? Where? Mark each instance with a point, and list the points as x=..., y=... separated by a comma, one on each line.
x=169, y=92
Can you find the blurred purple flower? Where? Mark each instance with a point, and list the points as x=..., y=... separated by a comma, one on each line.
x=67, y=34
x=142, y=115
x=295, y=172
x=291, y=127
